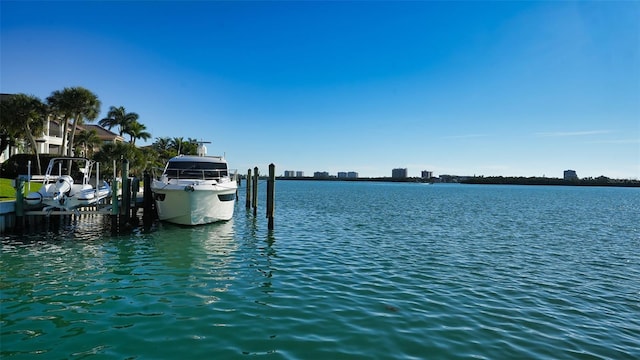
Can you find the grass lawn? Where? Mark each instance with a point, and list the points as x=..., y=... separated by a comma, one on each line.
x=7, y=192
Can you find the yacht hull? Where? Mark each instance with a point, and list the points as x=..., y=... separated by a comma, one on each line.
x=194, y=203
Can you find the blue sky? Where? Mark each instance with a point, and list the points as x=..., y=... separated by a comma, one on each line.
x=484, y=88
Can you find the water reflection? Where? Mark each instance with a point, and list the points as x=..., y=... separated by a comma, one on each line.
x=183, y=247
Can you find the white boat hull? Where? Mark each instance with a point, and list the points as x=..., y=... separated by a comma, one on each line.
x=82, y=198
x=194, y=203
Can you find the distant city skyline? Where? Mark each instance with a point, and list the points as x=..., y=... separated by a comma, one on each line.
x=487, y=88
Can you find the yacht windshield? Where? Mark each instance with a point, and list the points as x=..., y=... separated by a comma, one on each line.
x=195, y=169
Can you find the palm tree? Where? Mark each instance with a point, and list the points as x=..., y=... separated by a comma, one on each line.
x=136, y=131
x=87, y=140
x=190, y=147
x=118, y=116
x=77, y=104
x=176, y=144
x=185, y=147
x=139, y=159
x=162, y=144
x=162, y=147
x=23, y=116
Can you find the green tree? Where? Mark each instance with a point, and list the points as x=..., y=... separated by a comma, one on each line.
x=73, y=104
x=118, y=116
x=149, y=160
x=162, y=147
x=185, y=147
x=140, y=159
x=87, y=141
x=116, y=151
x=136, y=131
x=23, y=116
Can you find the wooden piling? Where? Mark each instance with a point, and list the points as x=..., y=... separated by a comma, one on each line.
x=126, y=195
x=19, y=186
x=271, y=182
x=114, y=207
x=147, y=201
x=133, y=210
x=248, y=181
x=255, y=191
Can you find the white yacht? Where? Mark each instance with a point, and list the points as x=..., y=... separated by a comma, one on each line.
x=67, y=185
x=195, y=189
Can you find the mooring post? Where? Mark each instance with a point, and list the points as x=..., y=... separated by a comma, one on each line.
x=126, y=195
x=147, y=202
x=114, y=207
x=19, y=203
x=255, y=191
x=271, y=184
x=248, y=181
x=135, y=188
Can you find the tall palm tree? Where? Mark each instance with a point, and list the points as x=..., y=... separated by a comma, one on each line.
x=185, y=147
x=110, y=151
x=24, y=116
x=162, y=144
x=87, y=140
x=162, y=147
x=136, y=131
x=176, y=144
x=190, y=147
x=77, y=104
x=118, y=116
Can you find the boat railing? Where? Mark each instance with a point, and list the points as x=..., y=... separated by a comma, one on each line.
x=199, y=174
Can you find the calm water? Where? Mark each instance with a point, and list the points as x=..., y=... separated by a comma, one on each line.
x=352, y=271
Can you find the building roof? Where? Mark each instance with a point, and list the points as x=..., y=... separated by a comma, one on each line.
x=103, y=134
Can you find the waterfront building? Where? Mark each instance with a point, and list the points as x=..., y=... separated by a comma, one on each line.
x=399, y=173
x=299, y=173
x=427, y=174
x=289, y=173
x=347, y=175
x=570, y=175
x=321, y=174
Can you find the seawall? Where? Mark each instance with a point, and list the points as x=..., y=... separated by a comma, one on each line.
x=7, y=215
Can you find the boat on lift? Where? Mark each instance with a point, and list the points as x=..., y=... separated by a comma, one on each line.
x=67, y=185
x=195, y=189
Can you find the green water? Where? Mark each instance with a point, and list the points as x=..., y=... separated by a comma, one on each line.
x=351, y=271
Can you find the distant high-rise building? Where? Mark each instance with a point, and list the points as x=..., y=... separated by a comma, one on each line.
x=427, y=174
x=399, y=173
x=352, y=175
x=289, y=173
x=570, y=175
x=321, y=174
x=342, y=174
x=299, y=173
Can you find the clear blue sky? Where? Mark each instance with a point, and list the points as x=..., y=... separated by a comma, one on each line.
x=485, y=88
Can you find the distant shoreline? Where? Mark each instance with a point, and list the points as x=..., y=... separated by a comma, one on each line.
x=492, y=180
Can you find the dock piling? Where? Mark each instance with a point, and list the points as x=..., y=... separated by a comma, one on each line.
x=271, y=182
x=147, y=196
x=126, y=195
x=255, y=191
x=114, y=207
x=248, y=197
x=19, y=186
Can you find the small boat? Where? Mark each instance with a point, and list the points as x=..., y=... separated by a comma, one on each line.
x=67, y=185
x=195, y=189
